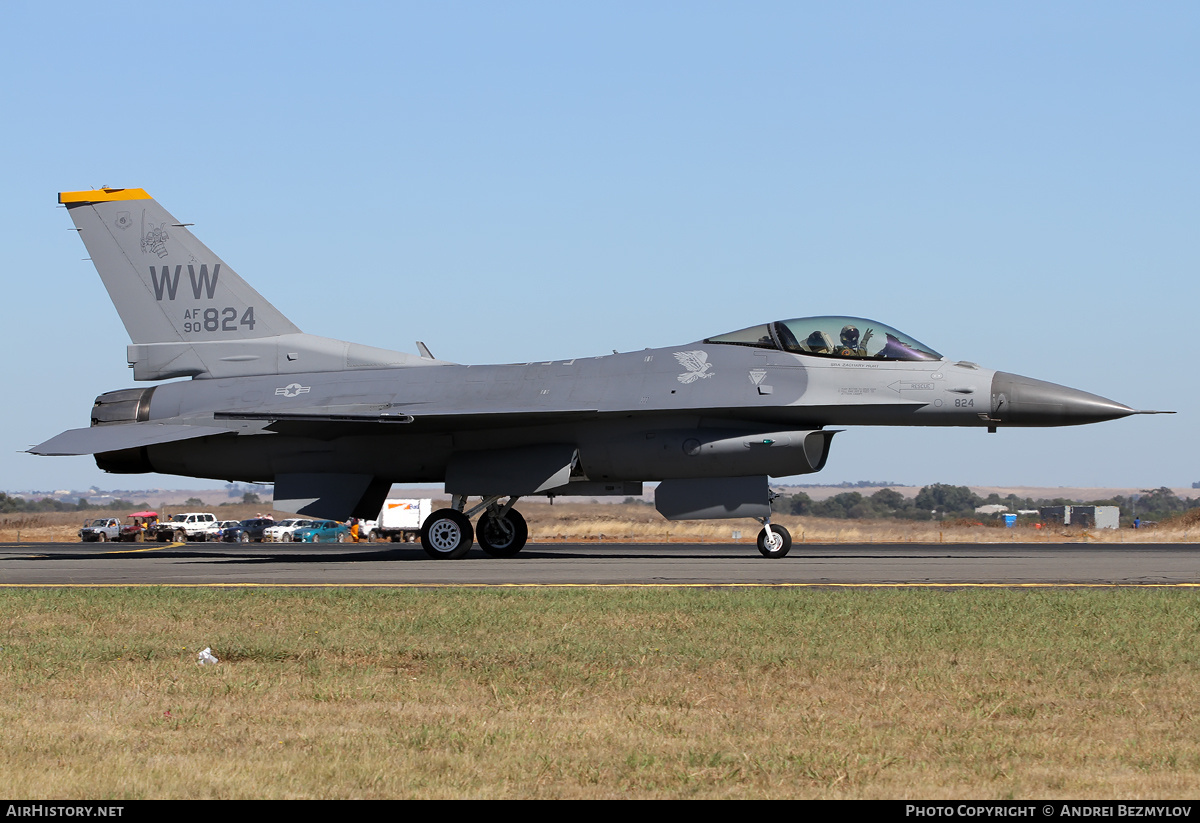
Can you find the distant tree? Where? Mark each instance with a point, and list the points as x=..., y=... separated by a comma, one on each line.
x=841, y=506
x=193, y=501
x=889, y=499
x=1017, y=503
x=250, y=497
x=944, y=499
x=798, y=503
x=1156, y=504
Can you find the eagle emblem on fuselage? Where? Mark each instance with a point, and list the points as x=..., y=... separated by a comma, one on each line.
x=696, y=363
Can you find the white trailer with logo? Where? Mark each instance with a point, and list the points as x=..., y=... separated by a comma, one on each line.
x=400, y=519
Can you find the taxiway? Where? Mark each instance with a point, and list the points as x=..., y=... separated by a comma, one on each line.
x=566, y=564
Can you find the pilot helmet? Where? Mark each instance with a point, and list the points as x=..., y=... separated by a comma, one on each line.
x=850, y=336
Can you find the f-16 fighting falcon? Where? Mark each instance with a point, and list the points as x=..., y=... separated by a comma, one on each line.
x=334, y=424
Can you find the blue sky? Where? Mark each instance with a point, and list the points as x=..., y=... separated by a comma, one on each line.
x=1011, y=183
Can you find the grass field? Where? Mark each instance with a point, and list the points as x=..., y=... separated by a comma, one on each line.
x=600, y=693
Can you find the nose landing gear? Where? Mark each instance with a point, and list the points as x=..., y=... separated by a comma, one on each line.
x=774, y=541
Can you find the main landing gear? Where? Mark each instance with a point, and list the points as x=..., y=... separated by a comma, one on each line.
x=501, y=530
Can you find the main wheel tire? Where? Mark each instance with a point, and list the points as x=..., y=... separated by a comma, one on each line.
x=447, y=535
x=101, y=537
x=341, y=538
x=181, y=536
x=779, y=544
x=502, y=537
x=244, y=537
x=138, y=537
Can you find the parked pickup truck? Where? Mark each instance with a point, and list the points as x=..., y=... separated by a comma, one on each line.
x=101, y=530
x=185, y=526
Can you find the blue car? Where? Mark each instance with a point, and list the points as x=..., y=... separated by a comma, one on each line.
x=324, y=531
x=246, y=531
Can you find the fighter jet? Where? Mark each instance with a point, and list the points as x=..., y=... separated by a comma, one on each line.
x=334, y=424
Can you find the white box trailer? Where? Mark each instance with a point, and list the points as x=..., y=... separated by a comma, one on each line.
x=400, y=519
x=1088, y=517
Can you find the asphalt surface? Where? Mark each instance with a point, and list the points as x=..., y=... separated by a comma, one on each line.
x=565, y=564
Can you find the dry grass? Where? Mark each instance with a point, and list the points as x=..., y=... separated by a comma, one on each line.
x=699, y=694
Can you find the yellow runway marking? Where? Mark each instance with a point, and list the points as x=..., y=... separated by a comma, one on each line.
x=150, y=549
x=123, y=551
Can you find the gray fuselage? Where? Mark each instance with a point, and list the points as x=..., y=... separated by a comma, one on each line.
x=633, y=416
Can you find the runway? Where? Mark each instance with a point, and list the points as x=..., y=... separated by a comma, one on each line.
x=601, y=564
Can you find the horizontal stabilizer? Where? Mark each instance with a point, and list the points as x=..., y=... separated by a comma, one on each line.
x=98, y=439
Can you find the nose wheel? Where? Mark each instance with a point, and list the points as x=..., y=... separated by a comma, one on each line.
x=774, y=541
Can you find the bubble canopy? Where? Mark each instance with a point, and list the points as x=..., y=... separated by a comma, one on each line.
x=841, y=337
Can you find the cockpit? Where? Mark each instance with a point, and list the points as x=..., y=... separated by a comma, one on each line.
x=840, y=337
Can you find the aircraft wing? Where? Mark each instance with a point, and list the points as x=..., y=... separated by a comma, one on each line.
x=331, y=422
x=97, y=439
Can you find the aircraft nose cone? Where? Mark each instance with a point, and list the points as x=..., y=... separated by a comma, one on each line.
x=1023, y=401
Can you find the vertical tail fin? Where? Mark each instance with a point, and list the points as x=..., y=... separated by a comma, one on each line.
x=167, y=285
x=187, y=312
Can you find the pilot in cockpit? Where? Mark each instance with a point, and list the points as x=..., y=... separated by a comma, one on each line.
x=851, y=346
